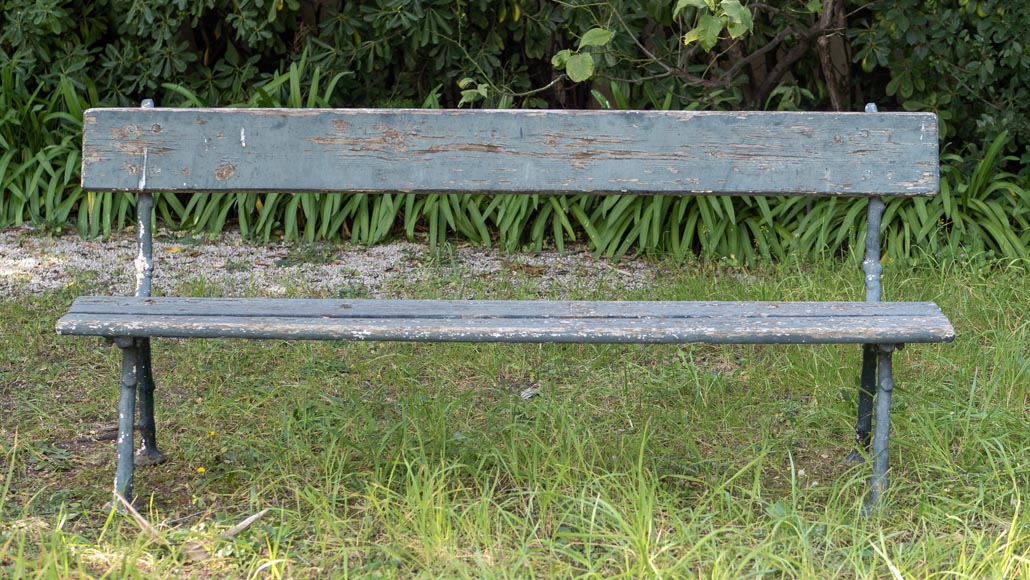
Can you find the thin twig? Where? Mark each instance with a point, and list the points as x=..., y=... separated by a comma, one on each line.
x=669, y=70
x=642, y=48
x=532, y=92
x=235, y=530
x=141, y=521
x=749, y=59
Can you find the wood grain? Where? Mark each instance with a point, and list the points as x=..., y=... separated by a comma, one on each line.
x=478, y=151
x=510, y=321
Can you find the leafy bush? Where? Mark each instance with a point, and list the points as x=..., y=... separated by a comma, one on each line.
x=129, y=48
x=968, y=60
x=39, y=154
x=965, y=59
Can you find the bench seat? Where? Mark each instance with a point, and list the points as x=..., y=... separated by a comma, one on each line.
x=509, y=320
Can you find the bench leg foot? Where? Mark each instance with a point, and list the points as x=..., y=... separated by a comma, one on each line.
x=880, y=481
x=148, y=453
x=126, y=418
x=867, y=388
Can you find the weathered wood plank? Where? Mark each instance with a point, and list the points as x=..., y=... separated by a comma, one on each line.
x=652, y=152
x=427, y=309
x=493, y=321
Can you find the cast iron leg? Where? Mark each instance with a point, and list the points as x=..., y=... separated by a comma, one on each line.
x=880, y=482
x=148, y=453
x=867, y=388
x=126, y=416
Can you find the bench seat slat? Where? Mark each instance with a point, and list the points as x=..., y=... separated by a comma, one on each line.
x=401, y=308
x=510, y=321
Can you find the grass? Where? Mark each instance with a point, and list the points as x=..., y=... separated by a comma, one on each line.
x=422, y=460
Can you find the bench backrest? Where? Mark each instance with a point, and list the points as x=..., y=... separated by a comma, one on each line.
x=490, y=151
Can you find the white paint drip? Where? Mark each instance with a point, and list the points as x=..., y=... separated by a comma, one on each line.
x=140, y=264
x=243, y=137
x=143, y=172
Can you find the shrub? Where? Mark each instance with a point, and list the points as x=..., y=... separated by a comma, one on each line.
x=965, y=59
x=968, y=60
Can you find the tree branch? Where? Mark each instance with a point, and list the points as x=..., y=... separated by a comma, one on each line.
x=751, y=58
x=532, y=92
x=826, y=55
x=784, y=64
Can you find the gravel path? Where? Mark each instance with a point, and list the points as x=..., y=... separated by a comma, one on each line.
x=33, y=263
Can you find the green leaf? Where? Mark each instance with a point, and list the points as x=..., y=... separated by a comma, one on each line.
x=558, y=60
x=692, y=36
x=683, y=4
x=601, y=99
x=580, y=67
x=739, y=18
x=596, y=37
x=706, y=32
x=472, y=95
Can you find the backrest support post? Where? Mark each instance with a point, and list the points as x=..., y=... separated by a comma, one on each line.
x=871, y=265
x=144, y=261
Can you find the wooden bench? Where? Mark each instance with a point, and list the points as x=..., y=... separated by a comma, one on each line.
x=146, y=150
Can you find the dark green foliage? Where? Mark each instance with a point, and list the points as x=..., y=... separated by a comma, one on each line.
x=39, y=154
x=965, y=59
x=387, y=53
x=968, y=60
x=130, y=48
